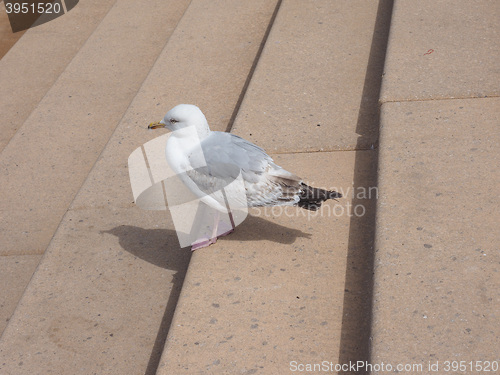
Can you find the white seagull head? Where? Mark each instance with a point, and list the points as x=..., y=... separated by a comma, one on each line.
x=183, y=116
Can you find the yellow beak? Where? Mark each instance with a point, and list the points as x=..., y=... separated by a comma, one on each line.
x=156, y=125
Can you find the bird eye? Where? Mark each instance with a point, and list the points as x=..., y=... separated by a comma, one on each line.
x=173, y=121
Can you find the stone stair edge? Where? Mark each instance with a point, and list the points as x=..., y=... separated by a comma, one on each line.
x=59, y=48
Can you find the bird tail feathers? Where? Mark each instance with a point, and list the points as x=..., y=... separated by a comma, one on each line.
x=311, y=198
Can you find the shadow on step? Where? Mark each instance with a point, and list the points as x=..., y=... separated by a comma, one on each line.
x=357, y=307
x=161, y=248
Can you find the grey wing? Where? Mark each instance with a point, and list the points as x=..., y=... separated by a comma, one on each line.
x=221, y=149
x=227, y=155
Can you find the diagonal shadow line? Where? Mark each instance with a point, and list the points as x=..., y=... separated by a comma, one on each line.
x=252, y=69
x=168, y=315
x=358, y=295
x=159, y=247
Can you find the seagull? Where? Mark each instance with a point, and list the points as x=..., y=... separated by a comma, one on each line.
x=206, y=161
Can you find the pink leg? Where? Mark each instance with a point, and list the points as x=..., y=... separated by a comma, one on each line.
x=232, y=226
x=199, y=244
x=204, y=242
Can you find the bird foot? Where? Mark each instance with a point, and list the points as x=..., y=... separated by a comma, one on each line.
x=202, y=242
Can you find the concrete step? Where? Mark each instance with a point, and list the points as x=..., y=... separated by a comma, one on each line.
x=436, y=288
x=45, y=51
x=102, y=298
x=328, y=61
x=28, y=69
x=436, y=285
x=271, y=297
x=72, y=117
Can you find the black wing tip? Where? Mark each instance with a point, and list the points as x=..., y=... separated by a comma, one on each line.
x=334, y=194
x=312, y=198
